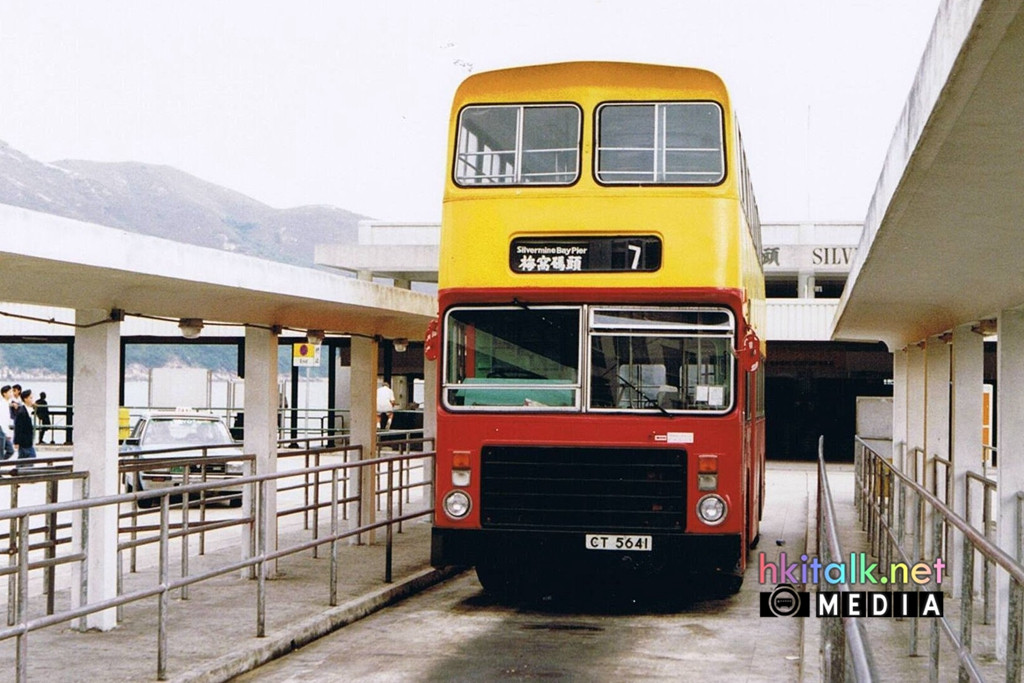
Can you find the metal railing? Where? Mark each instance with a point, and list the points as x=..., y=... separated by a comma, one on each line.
x=45, y=536
x=27, y=558
x=988, y=530
x=60, y=418
x=847, y=652
x=292, y=422
x=892, y=506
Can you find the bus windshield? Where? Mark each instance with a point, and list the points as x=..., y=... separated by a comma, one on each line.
x=638, y=359
x=513, y=357
x=661, y=358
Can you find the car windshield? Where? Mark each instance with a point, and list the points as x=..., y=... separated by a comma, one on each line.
x=184, y=431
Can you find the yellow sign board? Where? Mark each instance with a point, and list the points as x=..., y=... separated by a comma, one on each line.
x=305, y=354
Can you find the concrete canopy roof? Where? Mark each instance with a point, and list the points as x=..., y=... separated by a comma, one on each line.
x=53, y=261
x=942, y=243
x=414, y=262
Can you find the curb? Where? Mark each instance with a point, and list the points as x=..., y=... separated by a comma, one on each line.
x=304, y=632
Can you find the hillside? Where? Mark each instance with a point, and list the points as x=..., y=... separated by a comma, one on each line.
x=165, y=202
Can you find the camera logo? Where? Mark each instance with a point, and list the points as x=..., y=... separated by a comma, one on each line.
x=786, y=601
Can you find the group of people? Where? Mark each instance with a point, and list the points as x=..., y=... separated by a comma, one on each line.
x=21, y=436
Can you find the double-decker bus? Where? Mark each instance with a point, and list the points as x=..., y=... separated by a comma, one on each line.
x=600, y=394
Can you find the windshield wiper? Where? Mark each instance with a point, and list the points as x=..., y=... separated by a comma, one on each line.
x=647, y=398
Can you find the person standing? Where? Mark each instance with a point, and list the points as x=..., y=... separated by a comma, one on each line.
x=15, y=401
x=43, y=414
x=24, y=432
x=7, y=392
x=385, y=405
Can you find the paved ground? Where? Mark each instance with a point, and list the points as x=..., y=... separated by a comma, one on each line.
x=211, y=636
x=614, y=631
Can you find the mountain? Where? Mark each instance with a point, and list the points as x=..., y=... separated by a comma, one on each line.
x=165, y=202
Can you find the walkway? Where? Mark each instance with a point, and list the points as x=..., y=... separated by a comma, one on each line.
x=211, y=636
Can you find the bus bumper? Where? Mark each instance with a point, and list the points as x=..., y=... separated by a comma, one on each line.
x=696, y=553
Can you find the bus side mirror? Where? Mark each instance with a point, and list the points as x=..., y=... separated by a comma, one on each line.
x=432, y=341
x=749, y=353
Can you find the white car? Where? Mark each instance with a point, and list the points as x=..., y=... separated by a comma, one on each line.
x=179, y=430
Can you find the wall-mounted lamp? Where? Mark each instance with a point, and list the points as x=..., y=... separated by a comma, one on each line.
x=190, y=327
x=401, y=344
x=315, y=337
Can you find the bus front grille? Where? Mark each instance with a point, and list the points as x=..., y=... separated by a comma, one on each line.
x=583, y=489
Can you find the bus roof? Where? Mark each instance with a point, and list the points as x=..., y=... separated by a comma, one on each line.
x=557, y=81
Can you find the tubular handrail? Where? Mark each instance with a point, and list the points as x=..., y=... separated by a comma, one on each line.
x=861, y=661
x=1007, y=563
x=987, y=453
x=264, y=486
x=973, y=540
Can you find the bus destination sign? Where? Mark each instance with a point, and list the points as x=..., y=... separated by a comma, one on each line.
x=585, y=254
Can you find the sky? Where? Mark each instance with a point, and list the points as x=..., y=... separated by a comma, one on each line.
x=347, y=103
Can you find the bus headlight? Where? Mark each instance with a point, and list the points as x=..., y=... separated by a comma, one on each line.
x=711, y=509
x=457, y=504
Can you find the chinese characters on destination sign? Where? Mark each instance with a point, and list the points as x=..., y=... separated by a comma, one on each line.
x=584, y=254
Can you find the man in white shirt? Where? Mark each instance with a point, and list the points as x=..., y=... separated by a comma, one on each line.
x=385, y=405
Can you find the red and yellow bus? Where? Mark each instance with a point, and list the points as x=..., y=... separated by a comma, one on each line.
x=601, y=296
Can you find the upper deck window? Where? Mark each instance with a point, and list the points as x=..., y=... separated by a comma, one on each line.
x=668, y=143
x=518, y=145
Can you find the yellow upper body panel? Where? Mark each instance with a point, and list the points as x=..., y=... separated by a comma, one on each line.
x=706, y=241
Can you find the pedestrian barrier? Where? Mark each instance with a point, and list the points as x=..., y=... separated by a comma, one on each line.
x=335, y=469
x=845, y=647
x=896, y=510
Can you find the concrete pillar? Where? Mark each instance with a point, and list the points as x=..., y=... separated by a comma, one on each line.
x=937, y=377
x=937, y=425
x=916, y=390
x=805, y=285
x=1010, y=450
x=899, y=404
x=363, y=406
x=965, y=438
x=96, y=381
x=261, y=421
x=912, y=461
